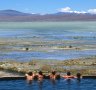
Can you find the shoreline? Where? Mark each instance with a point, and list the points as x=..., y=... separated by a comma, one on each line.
x=86, y=66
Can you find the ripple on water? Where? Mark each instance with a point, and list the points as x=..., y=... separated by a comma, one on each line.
x=62, y=84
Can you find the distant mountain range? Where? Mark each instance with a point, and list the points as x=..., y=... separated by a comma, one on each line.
x=16, y=16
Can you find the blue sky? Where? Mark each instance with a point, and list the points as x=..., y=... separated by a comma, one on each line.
x=49, y=6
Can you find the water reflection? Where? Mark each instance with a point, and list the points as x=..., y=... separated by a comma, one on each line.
x=68, y=84
x=40, y=84
x=62, y=84
x=78, y=86
x=78, y=80
x=73, y=84
x=29, y=81
x=54, y=84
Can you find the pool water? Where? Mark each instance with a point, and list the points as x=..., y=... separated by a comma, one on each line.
x=62, y=84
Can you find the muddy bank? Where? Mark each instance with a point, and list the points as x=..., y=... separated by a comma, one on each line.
x=86, y=66
x=8, y=74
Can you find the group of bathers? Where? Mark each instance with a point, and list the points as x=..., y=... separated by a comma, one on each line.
x=53, y=75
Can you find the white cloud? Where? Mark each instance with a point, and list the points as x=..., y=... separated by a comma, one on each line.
x=93, y=11
x=79, y=12
x=68, y=9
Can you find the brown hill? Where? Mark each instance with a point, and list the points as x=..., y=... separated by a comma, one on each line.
x=16, y=16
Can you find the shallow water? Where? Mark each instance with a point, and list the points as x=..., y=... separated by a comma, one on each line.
x=62, y=84
x=56, y=55
x=82, y=32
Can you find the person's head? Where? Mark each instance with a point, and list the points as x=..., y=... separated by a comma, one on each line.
x=78, y=75
x=53, y=72
x=68, y=73
x=40, y=73
x=30, y=73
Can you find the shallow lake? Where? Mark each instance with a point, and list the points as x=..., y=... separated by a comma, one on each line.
x=26, y=34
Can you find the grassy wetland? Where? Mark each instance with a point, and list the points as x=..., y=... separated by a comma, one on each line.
x=46, y=46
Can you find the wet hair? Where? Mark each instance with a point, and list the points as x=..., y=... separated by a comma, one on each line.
x=53, y=72
x=78, y=75
x=40, y=72
x=30, y=73
x=68, y=73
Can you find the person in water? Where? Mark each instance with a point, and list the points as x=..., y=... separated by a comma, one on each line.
x=29, y=76
x=68, y=75
x=40, y=76
x=53, y=75
x=78, y=76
